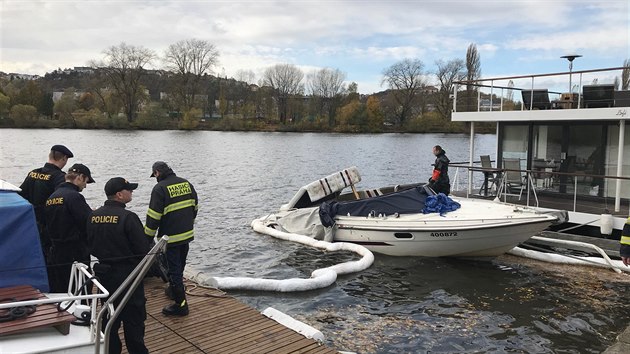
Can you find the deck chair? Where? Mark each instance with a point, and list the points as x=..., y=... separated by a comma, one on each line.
x=597, y=96
x=514, y=179
x=490, y=178
x=536, y=99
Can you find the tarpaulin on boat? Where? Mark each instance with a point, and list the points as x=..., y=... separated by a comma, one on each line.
x=405, y=202
x=21, y=257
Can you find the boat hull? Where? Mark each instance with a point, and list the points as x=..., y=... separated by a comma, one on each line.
x=441, y=242
x=478, y=229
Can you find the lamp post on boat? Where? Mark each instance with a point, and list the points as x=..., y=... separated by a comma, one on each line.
x=570, y=58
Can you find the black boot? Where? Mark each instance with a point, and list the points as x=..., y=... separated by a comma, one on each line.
x=180, y=307
x=169, y=292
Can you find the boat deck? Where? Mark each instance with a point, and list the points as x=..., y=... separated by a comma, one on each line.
x=217, y=323
x=583, y=204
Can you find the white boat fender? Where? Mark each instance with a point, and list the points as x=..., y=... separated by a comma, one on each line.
x=606, y=224
x=291, y=323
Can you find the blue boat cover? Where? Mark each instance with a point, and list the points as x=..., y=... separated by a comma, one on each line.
x=21, y=257
x=408, y=201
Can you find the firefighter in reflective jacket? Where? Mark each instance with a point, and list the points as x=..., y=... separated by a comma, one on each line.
x=40, y=183
x=172, y=212
x=439, y=180
x=116, y=237
x=624, y=249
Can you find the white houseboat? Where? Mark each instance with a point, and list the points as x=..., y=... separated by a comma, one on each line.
x=562, y=143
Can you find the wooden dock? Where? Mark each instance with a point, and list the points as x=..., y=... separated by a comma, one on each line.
x=217, y=323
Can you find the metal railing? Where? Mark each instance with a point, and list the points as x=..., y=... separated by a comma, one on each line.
x=135, y=278
x=529, y=180
x=490, y=93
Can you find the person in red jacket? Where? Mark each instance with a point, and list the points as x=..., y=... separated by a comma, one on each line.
x=172, y=212
x=439, y=180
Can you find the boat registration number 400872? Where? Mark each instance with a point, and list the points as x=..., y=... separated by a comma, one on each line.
x=444, y=234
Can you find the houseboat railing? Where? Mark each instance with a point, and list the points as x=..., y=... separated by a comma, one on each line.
x=530, y=178
x=484, y=90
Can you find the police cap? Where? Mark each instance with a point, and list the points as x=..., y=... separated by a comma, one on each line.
x=62, y=149
x=82, y=169
x=118, y=184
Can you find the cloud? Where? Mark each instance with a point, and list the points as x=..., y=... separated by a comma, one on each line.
x=360, y=38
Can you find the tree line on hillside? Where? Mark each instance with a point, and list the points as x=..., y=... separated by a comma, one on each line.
x=119, y=92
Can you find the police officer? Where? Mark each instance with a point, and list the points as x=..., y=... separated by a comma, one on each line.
x=172, y=212
x=439, y=180
x=67, y=214
x=40, y=183
x=116, y=237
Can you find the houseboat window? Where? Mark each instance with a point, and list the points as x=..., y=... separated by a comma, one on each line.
x=514, y=143
x=585, y=156
x=611, y=158
x=546, y=155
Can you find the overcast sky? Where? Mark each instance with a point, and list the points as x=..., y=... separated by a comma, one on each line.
x=361, y=38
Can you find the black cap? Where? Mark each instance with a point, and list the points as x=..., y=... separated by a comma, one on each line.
x=82, y=169
x=159, y=166
x=62, y=149
x=118, y=184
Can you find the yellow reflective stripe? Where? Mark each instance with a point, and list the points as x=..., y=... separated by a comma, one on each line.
x=180, y=237
x=149, y=232
x=180, y=205
x=154, y=214
x=625, y=240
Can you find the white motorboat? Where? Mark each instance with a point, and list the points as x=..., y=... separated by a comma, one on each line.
x=391, y=220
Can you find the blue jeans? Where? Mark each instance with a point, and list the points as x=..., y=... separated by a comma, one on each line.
x=176, y=259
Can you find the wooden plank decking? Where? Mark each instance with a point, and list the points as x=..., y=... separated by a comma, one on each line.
x=45, y=315
x=217, y=324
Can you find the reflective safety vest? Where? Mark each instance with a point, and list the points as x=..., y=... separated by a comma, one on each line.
x=624, y=249
x=172, y=209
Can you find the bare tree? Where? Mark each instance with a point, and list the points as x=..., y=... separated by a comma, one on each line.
x=326, y=86
x=473, y=72
x=286, y=81
x=245, y=76
x=447, y=73
x=123, y=69
x=190, y=60
x=405, y=79
x=625, y=75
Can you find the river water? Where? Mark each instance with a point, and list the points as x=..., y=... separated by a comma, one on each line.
x=400, y=304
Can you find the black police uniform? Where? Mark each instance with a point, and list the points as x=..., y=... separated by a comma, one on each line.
x=66, y=217
x=172, y=210
x=116, y=237
x=38, y=185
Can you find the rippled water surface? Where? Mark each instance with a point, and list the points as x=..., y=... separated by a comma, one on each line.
x=400, y=304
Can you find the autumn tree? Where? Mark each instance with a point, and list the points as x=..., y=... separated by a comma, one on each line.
x=375, y=117
x=473, y=72
x=447, y=73
x=405, y=79
x=5, y=103
x=124, y=68
x=190, y=60
x=24, y=115
x=327, y=86
x=286, y=81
